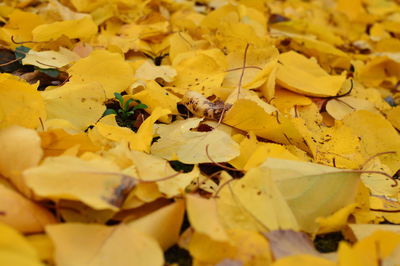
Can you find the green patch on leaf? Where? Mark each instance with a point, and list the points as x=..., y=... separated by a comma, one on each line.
x=125, y=112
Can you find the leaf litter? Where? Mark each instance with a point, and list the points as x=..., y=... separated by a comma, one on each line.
x=207, y=132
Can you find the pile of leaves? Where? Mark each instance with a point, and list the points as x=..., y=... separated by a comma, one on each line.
x=213, y=132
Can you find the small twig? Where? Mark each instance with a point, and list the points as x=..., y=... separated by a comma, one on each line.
x=45, y=64
x=161, y=179
x=183, y=38
x=221, y=187
x=376, y=155
x=337, y=96
x=23, y=42
x=10, y=62
x=239, y=68
x=220, y=165
x=381, y=210
x=243, y=69
x=372, y=172
x=41, y=123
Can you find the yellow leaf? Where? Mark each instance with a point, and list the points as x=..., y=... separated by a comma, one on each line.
x=237, y=95
x=107, y=69
x=303, y=260
x=268, y=150
x=394, y=258
x=202, y=71
x=163, y=224
x=255, y=119
x=87, y=5
x=336, y=221
x=312, y=190
x=203, y=217
x=178, y=142
x=255, y=203
x=370, y=250
x=20, y=25
x=50, y=59
x=149, y=71
x=83, y=28
x=305, y=76
x=20, y=106
x=378, y=70
x=43, y=245
x=101, y=245
x=21, y=150
x=98, y=183
x=352, y=9
x=284, y=100
x=327, y=54
x=362, y=231
x=262, y=62
x=394, y=117
x=22, y=214
x=339, y=108
x=336, y=146
x=150, y=168
x=15, y=249
x=139, y=141
x=80, y=103
x=377, y=135
x=247, y=247
x=248, y=144
x=379, y=184
x=56, y=141
x=154, y=95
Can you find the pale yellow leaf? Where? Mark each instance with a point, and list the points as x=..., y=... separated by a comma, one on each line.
x=101, y=245
x=163, y=224
x=178, y=142
x=203, y=217
x=312, y=190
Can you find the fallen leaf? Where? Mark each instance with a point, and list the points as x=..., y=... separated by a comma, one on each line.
x=79, y=103
x=50, y=59
x=97, y=183
x=103, y=245
x=171, y=217
x=105, y=68
x=303, y=260
x=178, y=142
x=203, y=216
x=336, y=221
x=305, y=76
x=255, y=203
x=370, y=250
x=21, y=150
x=22, y=214
x=15, y=249
x=250, y=248
x=312, y=190
x=148, y=71
x=79, y=28
x=22, y=105
x=377, y=135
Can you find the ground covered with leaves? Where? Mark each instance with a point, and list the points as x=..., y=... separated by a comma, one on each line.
x=214, y=132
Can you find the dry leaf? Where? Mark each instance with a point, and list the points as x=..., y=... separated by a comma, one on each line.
x=178, y=142
x=102, y=245
x=22, y=105
x=15, y=249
